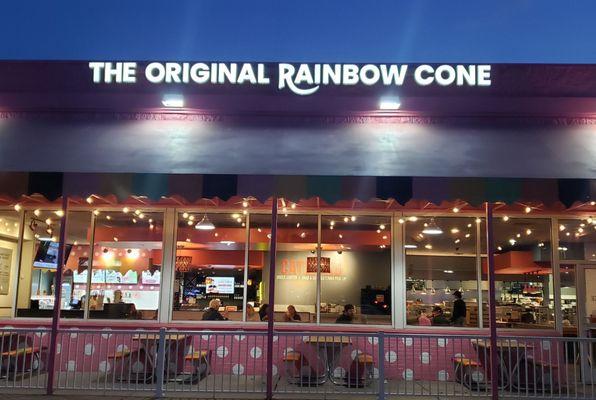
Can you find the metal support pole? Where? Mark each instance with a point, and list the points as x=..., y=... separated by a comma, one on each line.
x=57, y=298
x=492, y=309
x=160, y=365
x=381, y=395
x=270, y=313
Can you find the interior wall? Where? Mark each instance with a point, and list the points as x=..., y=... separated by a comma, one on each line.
x=7, y=299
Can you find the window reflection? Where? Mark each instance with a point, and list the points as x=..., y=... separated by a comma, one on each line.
x=355, y=269
x=210, y=259
x=127, y=259
x=441, y=265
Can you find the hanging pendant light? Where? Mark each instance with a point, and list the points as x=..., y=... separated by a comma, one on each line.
x=205, y=224
x=432, y=228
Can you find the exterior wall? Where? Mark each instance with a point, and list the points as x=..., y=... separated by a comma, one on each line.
x=406, y=146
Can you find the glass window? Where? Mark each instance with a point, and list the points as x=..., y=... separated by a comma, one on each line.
x=210, y=259
x=523, y=273
x=441, y=271
x=127, y=261
x=39, y=260
x=295, y=283
x=256, y=294
x=76, y=268
x=10, y=222
x=355, y=269
x=577, y=242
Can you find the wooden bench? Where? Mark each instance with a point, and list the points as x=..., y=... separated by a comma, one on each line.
x=119, y=354
x=200, y=362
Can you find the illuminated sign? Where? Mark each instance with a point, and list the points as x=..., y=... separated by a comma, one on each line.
x=301, y=79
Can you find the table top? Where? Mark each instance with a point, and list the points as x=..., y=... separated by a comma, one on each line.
x=513, y=343
x=155, y=336
x=328, y=339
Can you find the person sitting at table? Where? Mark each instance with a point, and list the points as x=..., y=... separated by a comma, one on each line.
x=423, y=319
x=251, y=314
x=458, y=316
x=263, y=312
x=118, y=300
x=291, y=315
x=212, y=313
x=438, y=318
x=347, y=316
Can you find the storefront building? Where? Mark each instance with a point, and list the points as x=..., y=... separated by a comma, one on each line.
x=167, y=174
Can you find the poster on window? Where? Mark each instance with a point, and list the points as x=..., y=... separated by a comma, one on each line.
x=5, y=263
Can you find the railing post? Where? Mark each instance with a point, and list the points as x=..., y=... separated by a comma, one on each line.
x=492, y=310
x=57, y=297
x=381, y=337
x=270, y=311
x=161, y=360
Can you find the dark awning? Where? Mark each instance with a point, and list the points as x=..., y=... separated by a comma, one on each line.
x=331, y=189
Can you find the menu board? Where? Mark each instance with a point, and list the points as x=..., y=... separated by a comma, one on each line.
x=98, y=276
x=148, y=278
x=5, y=263
x=218, y=284
x=80, y=277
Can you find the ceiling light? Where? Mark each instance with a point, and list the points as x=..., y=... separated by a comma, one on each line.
x=37, y=213
x=410, y=246
x=413, y=219
x=346, y=219
x=382, y=226
x=448, y=271
x=353, y=218
x=17, y=207
x=428, y=246
x=401, y=220
x=89, y=200
x=505, y=218
x=245, y=204
x=293, y=206
x=125, y=210
x=512, y=241
x=454, y=230
x=561, y=227
x=389, y=103
x=227, y=242
x=205, y=224
x=478, y=220
x=173, y=100
x=185, y=215
x=457, y=241
x=499, y=248
x=528, y=231
x=432, y=228
x=467, y=235
x=455, y=209
x=528, y=209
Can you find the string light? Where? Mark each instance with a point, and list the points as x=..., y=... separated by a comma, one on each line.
x=245, y=204
x=185, y=215
x=96, y=212
x=413, y=219
x=505, y=218
x=528, y=232
x=401, y=220
x=125, y=210
x=382, y=227
x=89, y=200
x=353, y=218
x=528, y=209
x=346, y=219
x=454, y=230
x=455, y=209
x=478, y=220
x=17, y=207
x=137, y=212
x=293, y=206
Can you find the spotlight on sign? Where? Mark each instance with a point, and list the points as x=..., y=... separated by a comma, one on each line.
x=173, y=101
x=390, y=103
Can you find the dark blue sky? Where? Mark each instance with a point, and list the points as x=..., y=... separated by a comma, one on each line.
x=539, y=31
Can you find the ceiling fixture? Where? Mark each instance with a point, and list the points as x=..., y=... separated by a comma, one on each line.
x=173, y=101
x=448, y=271
x=528, y=209
x=205, y=224
x=410, y=246
x=389, y=103
x=432, y=228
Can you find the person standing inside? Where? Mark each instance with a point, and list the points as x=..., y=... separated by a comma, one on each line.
x=458, y=316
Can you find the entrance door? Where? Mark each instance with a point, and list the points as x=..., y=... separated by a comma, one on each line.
x=586, y=301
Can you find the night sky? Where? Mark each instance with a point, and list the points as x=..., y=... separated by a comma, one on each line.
x=508, y=31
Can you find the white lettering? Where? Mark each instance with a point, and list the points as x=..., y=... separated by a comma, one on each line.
x=364, y=74
x=484, y=75
x=286, y=73
x=440, y=72
x=247, y=74
x=199, y=73
x=173, y=71
x=421, y=80
x=96, y=67
x=227, y=72
x=466, y=74
x=261, y=77
x=332, y=74
x=155, y=72
x=393, y=74
x=350, y=72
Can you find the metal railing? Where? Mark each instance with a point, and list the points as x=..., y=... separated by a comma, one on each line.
x=309, y=364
